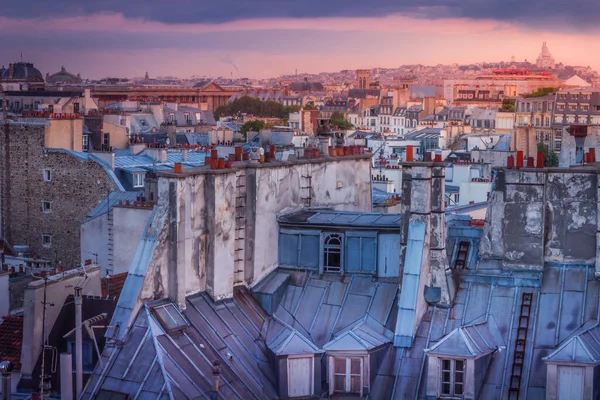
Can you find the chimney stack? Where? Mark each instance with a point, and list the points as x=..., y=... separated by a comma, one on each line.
x=6, y=368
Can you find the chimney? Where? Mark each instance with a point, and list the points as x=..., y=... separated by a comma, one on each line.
x=423, y=260
x=66, y=376
x=6, y=368
x=11, y=71
x=184, y=154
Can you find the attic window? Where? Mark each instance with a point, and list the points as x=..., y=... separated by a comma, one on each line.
x=332, y=253
x=453, y=372
x=169, y=317
x=138, y=180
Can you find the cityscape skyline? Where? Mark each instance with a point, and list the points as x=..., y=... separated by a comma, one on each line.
x=128, y=43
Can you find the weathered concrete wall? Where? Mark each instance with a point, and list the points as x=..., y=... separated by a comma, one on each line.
x=56, y=293
x=221, y=226
x=542, y=216
x=76, y=187
x=128, y=225
x=343, y=184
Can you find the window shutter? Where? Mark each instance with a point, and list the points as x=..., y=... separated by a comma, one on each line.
x=361, y=252
x=310, y=249
x=288, y=249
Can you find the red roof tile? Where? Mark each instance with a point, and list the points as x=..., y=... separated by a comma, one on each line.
x=113, y=285
x=11, y=340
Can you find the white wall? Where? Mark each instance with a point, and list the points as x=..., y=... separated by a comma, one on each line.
x=93, y=239
x=473, y=191
x=4, y=297
x=128, y=226
x=208, y=232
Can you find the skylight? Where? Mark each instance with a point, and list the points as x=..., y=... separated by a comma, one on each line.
x=169, y=317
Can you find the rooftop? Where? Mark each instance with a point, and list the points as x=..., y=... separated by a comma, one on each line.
x=11, y=340
x=339, y=218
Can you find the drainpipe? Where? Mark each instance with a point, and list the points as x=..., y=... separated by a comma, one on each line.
x=6, y=368
x=216, y=372
x=78, y=344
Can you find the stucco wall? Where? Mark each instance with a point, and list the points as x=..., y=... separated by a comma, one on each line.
x=94, y=241
x=118, y=137
x=221, y=226
x=128, y=225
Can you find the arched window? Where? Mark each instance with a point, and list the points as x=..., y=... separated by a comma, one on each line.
x=332, y=253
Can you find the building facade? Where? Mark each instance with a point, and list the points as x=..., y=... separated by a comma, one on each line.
x=47, y=190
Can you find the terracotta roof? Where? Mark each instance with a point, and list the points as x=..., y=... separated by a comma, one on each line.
x=113, y=285
x=11, y=340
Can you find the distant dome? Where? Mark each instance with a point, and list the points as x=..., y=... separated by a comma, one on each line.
x=545, y=51
x=21, y=71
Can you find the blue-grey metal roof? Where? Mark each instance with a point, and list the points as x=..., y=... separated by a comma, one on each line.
x=503, y=143
x=472, y=341
x=365, y=334
x=422, y=134
x=341, y=218
x=154, y=363
x=106, y=204
x=319, y=307
x=380, y=196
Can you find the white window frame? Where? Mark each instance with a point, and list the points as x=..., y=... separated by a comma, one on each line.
x=311, y=375
x=348, y=374
x=85, y=142
x=452, y=381
x=46, y=206
x=137, y=177
x=47, y=240
x=325, y=249
x=47, y=175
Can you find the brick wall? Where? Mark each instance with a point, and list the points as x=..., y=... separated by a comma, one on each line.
x=76, y=187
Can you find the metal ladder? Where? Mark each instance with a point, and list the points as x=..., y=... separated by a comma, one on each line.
x=240, y=228
x=461, y=256
x=520, y=344
x=111, y=240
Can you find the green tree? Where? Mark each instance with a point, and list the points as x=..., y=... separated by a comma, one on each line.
x=254, y=126
x=338, y=119
x=291, y=109
x=508, y=105
x=309, y=107
x=550, y=157
x=252, y=106
x=542, y=92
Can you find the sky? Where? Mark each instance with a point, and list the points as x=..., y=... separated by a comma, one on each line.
x=268, y=38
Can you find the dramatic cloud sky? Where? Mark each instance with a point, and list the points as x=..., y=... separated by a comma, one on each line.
x=261, y=38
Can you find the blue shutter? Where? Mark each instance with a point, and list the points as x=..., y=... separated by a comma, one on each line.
x=361, y=252
x=369, y=254
x=310, y=249
x=299, y=248
x=388, y=256
x=352, y=253
x=288, y=249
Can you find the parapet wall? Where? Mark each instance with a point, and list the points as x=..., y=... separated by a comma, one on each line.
x=542, y=215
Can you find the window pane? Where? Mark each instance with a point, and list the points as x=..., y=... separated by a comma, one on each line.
x=458, y=389
x=446, y=365
x=339, y=383
x=445, y=376
x=459, y=365
x=355, y=384
x=458, y=377
x=339, y=365
x=355, y=366
x=446, y=388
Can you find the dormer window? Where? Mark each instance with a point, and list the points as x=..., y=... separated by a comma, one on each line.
x=332, y=253
x=138, y=180
x=453, y=372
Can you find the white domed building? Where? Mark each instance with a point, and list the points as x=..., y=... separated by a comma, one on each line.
x=545, y=59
